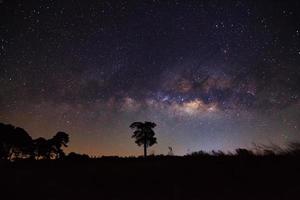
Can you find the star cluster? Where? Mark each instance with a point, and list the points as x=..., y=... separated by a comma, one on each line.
x=211, y=74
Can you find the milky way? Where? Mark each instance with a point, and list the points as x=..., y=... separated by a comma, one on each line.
x=211, y=74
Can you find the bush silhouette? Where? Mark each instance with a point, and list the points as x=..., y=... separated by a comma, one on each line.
x=77, y=156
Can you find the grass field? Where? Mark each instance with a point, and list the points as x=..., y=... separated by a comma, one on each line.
x=161, y=177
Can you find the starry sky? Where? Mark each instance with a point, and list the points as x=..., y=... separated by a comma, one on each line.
x=212, y=74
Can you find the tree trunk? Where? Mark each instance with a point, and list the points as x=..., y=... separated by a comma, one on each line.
x=145, y=150
x=145, y=145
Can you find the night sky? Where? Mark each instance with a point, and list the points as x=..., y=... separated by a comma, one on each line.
x=211, y=74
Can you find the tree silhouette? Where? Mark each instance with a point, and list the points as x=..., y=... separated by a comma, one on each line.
x=22, y=144
x=57, y=142
x=16, y=143
x=42, y=148
x=6, y=140
x=144, y=134
x=52, y=148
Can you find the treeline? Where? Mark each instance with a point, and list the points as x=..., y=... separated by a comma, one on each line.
x=16, y=143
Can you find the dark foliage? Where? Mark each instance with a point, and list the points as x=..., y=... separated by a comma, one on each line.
x=16, y=143
x=77, y=156
x=271, y=174
x=144, y=134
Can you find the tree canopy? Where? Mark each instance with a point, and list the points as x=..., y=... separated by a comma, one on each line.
x=144, y=134
x=16, y=143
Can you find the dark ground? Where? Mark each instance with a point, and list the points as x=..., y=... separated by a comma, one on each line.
x=224, y=177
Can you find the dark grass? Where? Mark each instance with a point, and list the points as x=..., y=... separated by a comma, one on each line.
x=208, y=177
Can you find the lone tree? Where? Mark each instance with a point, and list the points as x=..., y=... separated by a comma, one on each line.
x=144, y=134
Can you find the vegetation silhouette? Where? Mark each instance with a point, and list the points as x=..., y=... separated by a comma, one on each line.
x=76, y=156
x=16, y=143
x=39, y=169
x=144, y=134
x=170, y=153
